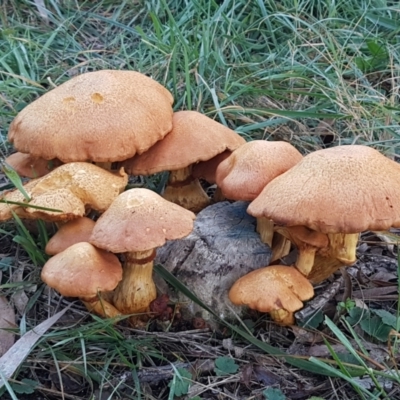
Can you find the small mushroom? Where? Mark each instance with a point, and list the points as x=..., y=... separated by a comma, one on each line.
x=86, y=272
x=72, y=232
x=276, y=289
x=136, y=223
x=194, y=138
x=31, y=167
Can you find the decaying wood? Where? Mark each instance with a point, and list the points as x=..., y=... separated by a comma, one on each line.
x=223, y=246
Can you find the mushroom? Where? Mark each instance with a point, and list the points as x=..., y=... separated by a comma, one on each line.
x=194, y=138
x=72, y=232
x=103, y=116
x=85, y=272
x=245, y=173
x=29, y=166
x=276, y=289
x=327, y=199
x=71, y=188
x=136, y=223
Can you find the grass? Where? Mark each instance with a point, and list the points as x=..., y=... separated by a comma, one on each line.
x=315, y=73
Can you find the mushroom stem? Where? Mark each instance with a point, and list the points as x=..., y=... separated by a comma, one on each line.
x=343, y=246
x=280, y=247
x=185, y=190
x=136, y=290
x=265, y=227
x=341, y=251
x=282, y=317
x=323, y=268
x=100, y=306
x=307, y=242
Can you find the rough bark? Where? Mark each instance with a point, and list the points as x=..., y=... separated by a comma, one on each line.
x=223, y=246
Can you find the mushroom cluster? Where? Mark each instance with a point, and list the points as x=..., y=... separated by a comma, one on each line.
x=78, y=143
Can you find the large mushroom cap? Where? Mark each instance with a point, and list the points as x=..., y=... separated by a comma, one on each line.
x=345, y=189
x=273, y=288
x=100, y=116
x=244, y=174
x=139, y=220
x=82, y=271
x=194, y=137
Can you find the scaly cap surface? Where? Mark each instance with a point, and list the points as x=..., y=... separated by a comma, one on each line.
x=101, y=116
x=139, y=220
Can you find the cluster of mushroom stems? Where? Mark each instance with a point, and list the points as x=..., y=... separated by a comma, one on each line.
x=312, y=203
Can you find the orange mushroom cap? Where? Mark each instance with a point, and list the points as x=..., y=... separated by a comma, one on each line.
x=245, y=173
x=194, y=137
x=74, y=231
x=29, y=166
x=273, y=288
x=139, y=220
x=82, y=270
x=344, y=189
x=101, y=116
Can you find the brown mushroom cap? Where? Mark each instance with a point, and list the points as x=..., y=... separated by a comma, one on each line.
x=272, y=288
x=244, y=174
x=345, y=189
x=82, y=271
x=100, y=116
x=139, y=220
x=29, y=166
x=72, y=232
x=194, y=137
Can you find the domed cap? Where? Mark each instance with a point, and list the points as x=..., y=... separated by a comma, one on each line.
x=344, y=189
x=82, y=271
x=271, y=289
x=100, y=116
x=29, y=166
x=244, y=174
x=194, y=137
x=72, y=232
x=139, y=220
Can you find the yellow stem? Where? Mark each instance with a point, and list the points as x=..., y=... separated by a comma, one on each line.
x=185, y=190
x=136, y=290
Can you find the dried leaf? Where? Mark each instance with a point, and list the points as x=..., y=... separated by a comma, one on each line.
x=7, y=321
x=12, y=359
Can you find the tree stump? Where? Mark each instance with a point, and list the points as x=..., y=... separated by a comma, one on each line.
x=223, y=246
